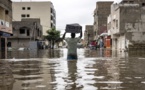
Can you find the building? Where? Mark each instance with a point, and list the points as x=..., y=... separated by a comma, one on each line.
x=100, y=17
x=88, y=34
x=126, y=25
x=5, y=25
x=43, y=10
x=132, y=1
x=25, y=32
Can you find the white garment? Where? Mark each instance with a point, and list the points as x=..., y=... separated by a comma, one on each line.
x=72, y=45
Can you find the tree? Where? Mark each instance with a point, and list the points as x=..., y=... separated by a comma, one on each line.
x=53, y=36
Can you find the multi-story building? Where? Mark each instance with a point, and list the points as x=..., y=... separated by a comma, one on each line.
x=43, y=10
x=132, y=1
x=5, y=25
x=126, y=24
x=25, y=32
x=100, y=17
x=88, y=34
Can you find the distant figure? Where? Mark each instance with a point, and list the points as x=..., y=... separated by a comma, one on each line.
x=72, y=46
x=101, y=43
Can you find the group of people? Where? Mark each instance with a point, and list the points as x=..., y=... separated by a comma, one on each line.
x=96, y=44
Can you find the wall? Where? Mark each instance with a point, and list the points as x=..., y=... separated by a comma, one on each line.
x=134, y=26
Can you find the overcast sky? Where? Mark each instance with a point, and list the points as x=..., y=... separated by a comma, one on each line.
x=73, y=11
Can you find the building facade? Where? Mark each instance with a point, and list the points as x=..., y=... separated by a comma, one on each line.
x=25, y=32
x=133, y=2
x=5, y=25
x=43, y=10
x=100, y=17
x=88, y=34
x=126, y=24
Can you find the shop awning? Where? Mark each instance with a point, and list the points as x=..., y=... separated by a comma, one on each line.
x=4, y=34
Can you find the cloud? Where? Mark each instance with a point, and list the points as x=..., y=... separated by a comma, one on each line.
x=74, y=11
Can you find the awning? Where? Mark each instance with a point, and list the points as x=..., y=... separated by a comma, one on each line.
x=104, y=34
x=4, y=34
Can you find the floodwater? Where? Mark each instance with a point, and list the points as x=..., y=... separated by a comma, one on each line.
x=94, y=70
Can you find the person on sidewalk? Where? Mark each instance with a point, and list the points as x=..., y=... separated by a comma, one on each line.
x=72, y=45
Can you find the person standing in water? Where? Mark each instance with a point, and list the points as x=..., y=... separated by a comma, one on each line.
x=72, y=45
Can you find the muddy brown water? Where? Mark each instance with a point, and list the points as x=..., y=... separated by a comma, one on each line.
x=94, y=70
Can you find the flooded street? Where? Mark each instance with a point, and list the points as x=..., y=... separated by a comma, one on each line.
x=94, y=70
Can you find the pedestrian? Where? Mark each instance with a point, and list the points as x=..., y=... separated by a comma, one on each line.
x=72, y=45
x=101, y=42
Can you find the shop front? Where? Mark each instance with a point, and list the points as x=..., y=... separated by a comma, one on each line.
x=5, y=32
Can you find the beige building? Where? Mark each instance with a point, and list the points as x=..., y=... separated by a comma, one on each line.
x=5, y=25
x=126, y=25
x=43, y=10
x=101, y=13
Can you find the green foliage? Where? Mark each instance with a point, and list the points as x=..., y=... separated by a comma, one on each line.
x=53, y=34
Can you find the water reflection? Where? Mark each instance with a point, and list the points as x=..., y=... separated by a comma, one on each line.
x=6, y=76
x=94, y=70
x=49, y=53
x=72, y=75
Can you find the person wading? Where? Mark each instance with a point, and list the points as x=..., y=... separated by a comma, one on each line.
x=72, y=45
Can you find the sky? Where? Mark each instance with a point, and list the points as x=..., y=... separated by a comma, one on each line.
x=73, y=11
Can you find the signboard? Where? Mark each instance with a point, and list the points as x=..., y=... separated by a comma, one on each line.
x=73, y=28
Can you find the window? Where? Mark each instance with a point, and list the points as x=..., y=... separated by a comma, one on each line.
x=2, y=23
x=51, y=25
x=117, y=24
x=28, y=32
x=125, y=2
x=22, y=31
x=23, y=8
x=28, y=8
x=9, y=44
x=23, y=15
x=131, y=1
x=51, y=17
x=6, y=12
x=28, y=15
x=51, y=10
x=143, y=4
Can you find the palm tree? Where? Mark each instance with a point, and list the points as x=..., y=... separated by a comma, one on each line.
x=53, y=36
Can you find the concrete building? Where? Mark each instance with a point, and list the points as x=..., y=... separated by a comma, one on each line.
x=126, y=25
x=5, y=25
x=88, y=34
x=100, y=17
x=132, y=1
x=25, y=32
x=43, y=10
